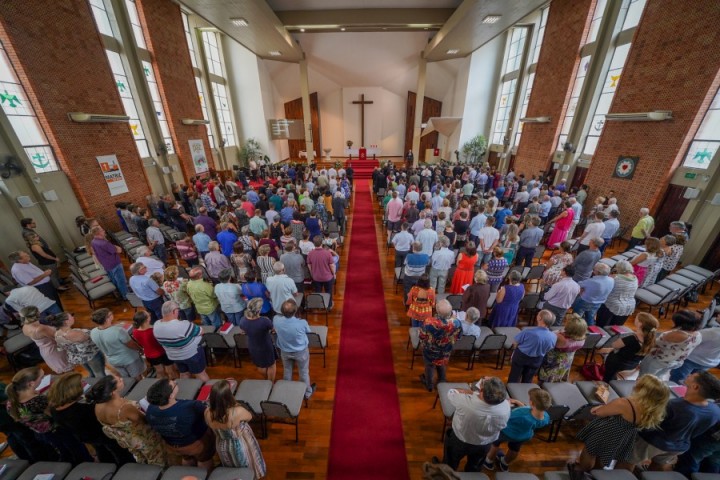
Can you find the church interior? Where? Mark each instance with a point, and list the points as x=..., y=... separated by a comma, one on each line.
x=108, y=102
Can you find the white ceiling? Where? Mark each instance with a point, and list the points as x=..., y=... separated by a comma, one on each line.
x=282, y=5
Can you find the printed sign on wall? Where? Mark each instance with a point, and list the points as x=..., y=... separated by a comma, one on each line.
x=113, y=175
x=197, y=150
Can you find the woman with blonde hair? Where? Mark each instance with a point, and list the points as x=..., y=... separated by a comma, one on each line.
x=265, y=262
x=69, y=411
x=611, y=435
x=258, y=327
x=558, y=361
x=44, y=338
x=512, y=240
x=477, y=294
x=30, y=408
x=626, y=353
x=235, y=442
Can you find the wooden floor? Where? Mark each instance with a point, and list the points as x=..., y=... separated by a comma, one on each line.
x=422, y=424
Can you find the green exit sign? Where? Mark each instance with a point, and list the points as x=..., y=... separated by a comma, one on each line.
x=690, y=175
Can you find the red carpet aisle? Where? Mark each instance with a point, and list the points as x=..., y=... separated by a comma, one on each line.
x=366, y=439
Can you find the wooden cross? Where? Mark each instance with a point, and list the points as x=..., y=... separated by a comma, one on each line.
x=362, y=104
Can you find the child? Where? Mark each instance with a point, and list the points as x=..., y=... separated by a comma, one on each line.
x=520, y=428
x=154, y=352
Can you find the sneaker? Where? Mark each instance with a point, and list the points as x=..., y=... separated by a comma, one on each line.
x=488, y=465
x=504, y=467
x=313, y=387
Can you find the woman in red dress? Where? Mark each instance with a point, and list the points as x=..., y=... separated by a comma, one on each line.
x=465, y=270
x=562, y=226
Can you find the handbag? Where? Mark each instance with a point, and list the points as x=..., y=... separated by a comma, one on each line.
x=593, y=371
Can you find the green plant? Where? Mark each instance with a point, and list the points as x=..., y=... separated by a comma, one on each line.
x=249, y=151
x=474, y=148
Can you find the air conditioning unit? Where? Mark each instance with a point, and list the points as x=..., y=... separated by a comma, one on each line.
x=655, y=116
x=536, y=119
x=191, y=121
x=81, y=117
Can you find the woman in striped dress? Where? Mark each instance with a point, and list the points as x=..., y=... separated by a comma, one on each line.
x=234, y=439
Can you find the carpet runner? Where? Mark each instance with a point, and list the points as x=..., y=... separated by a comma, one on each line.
x=366, y=439
x=363, y=168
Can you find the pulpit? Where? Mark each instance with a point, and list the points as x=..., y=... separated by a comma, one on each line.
x=362, y=154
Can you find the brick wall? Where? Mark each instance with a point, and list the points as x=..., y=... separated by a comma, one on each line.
x=567, y=26
x=673, y=64
x=61, y=62
x=166, y=41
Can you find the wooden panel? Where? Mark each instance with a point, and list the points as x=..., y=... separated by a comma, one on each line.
x=431, y=108
x=579, y=177
x=671, y=209
x=493, y=159
x=294, y=110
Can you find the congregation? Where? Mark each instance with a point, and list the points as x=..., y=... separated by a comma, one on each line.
x=469, y=245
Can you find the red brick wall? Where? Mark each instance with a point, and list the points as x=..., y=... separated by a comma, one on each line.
x=61, y=62
x=567, y=26
x=673, y=64
x=166, y=41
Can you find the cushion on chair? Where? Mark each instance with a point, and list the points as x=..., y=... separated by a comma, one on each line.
x=448, y=408
x=138, y=471
x=509, y=332
x=662, y=476
x=188, y=388
x=179, y=472
x=228, y=473
x=472, y=476
x=253, y=392
x=289, y=393
x=623, y=387
x=556, y=475
x=90, y=470
x=13, y=468
x=587, y=388
x=514, y=476
x=58, y=469
x=705, y=476
x=564, y=393
x=618, y=474
x=521, y=391
x=140, y=390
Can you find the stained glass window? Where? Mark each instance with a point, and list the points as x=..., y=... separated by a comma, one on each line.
x=21, y=114
x=705, y=145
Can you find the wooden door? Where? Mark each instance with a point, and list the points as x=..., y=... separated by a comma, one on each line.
x=579, y=177
x=670, y=209
x=712, y=257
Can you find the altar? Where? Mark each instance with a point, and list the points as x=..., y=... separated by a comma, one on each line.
x=355, y=152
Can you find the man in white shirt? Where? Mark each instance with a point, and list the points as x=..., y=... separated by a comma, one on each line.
x=479, y=417
x=562, y=294
x=488, y=239
x=577, y=209
x=27, y=296
x=427, y=237
x=476, y=224
x=402, y=242
x=594, y=229
x=156, y=240
x=440, y=264
x=612, y=205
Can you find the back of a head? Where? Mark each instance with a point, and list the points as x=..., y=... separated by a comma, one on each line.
x=102, y=391
x=540, y=399
x=708, y=385
x=159, y=393
x=66, y=389
x=493, y=390
x=288, y=308
x=100, y=315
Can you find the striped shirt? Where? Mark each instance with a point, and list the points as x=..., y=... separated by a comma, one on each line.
x=179, y=338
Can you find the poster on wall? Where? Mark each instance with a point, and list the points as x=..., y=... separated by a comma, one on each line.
x=197, y=151
x=113, y=175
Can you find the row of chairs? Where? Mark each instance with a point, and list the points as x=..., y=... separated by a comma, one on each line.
x=596, y=474
x=674, y=289
x=91, y=281
x=15, y=469
x=570, y=401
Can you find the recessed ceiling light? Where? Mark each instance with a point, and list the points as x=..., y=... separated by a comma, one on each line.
x=275, y=53
x=342, y=29
x=302, y=29
x=452, y=51
x=239, y=22
x=491, y=18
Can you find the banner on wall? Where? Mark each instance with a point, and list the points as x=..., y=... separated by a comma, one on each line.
x=197, y=151
x=113, y=175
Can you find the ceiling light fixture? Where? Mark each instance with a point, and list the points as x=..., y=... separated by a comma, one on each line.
x=452, y=51
x=239, y=22
x=302, y=29
x=491, y=18
x=342, y=29
x=275, y=53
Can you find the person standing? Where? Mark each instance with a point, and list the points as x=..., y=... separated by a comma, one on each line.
x=27, y=274
x=293, y=344
x=203, y=296
x=529, y=240
x=440, y=263
x=321, y=264
x=115, y=343
x=181, y=340
x=585, y=262
x=109, y=257
x=437, y=336
x=531, y=345
x=479, y=418
x=402, y=242
x=594, y=229
x=156, y=240
x=594, y=293
x=562, y=294
x=280, y=286
x=642, y=229
x=147, y=290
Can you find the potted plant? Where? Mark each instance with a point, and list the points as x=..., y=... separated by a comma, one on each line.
x=474, y=148
x=249, y=151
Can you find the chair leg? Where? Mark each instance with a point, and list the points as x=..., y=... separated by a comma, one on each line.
x=297, y=435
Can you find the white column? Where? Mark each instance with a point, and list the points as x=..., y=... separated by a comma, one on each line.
x=420, y=91
x=307, y=113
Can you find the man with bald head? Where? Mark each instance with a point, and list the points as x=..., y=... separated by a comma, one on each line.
x=437, y=336
x=642, y=229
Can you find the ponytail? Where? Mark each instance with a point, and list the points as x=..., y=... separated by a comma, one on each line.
x=648, y=326
x=20, y=382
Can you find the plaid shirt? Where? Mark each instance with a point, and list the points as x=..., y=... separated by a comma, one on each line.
x=438, y=336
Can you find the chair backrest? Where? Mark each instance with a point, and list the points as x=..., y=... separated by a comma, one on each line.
x=515, y=268
x=539, y=251
x=536, y=272
x=493, y=342
x=465, y=342
x=215, y=340
x=315, y=300
x=275, y=409
x=591, y=340
x=530, y=301
x=314, y=340
x=241, y=341
x=455, y=301
x=79, y=285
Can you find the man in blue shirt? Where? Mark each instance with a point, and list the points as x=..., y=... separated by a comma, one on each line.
x=531, y=345
x=685, y=418
x=147, y=290
x=529, y=240
x=227, y=238
x=293, y=344
x=415, y=266
x=594, y=293
x=545, y=207
x=502, y=214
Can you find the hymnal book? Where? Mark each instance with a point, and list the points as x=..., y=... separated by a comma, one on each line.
x=44, y=384
x=44, y=476
x=619, y=329
x=143, y=404
x=596, y=329
x=225, y=328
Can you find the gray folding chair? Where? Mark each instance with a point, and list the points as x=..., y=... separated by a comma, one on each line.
x=491, y=343
x=188, y=388
x=230, y=473
x=250, y=394
x=618, y=474
x=285, y=404
x=318, y=340
x=13, y=468
x=96, y=471
x=178, y=472
x=455, y=301
x=59, y=470
x=16, y=345
x=510, y=334
x=241, y=347
x=588, y=388
x=515, y=476
x=140, y=390
x=318, y=301
x=556, y=475
x=567, y=397
x=448, y=408
x=414, y=342
x=138, y=471
x=623, y=387
x=465, y=345
x=217, y=343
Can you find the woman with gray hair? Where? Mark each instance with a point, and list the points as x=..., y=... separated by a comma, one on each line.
x=258, y=328
x=620, y=304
